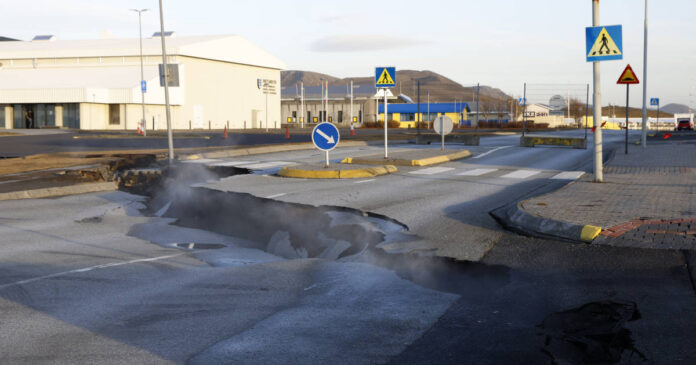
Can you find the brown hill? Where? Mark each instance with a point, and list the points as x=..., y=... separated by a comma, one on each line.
x=441, y=89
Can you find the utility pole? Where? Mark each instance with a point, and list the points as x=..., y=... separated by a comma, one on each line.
x=418, y=115
x=165, y=70
x=351, y=102
x=142, y=73
x=597, y=105
x=645, y=77
x=302, y=115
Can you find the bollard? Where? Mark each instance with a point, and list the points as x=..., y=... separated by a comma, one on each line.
x=245, y=124
x=209, y=125
x=228, y=124
x=189, y=124
x=275, y=124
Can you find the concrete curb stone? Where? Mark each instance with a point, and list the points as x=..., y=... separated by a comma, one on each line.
x=60, y=191
x=515, y=218
x=338, y=174
x=403, y=162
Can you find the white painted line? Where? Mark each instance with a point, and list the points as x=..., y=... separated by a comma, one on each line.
x=232, y=163
x=569, y=175
x=76, y=271
x=268, y=165
x=201, y=160
x=476, y=172
x=491, y=151
x=431, y=170
x=364, y=181
x=275, y=196
x=521, y=174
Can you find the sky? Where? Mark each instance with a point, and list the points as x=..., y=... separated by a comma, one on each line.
x=500, y=43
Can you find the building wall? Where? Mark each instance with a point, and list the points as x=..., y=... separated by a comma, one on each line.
x=218, y=92
x=333, y=109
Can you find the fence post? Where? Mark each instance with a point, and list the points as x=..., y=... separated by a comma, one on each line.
x=209, y=125
x=189, y=124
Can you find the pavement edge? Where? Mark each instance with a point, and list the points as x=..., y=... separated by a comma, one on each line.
x=60, y=191
x=514, y=218
x=337, y=174
x=402, y=162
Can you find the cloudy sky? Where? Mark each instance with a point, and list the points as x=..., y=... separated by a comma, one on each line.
x=502, y=43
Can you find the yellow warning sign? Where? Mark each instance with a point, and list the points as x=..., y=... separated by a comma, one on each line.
x=385, y=78
x=604, y=45
x=628, y=76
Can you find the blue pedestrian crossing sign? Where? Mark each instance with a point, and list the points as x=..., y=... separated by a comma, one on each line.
x=654, y=101
x=603, y=43
x=522, y=101
x=385, y=77
x=143, y=86
x=325, y=136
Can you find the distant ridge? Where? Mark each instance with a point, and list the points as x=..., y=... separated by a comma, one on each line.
x=441, y=88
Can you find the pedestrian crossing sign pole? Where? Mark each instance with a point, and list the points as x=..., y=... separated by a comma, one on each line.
x=385, y=77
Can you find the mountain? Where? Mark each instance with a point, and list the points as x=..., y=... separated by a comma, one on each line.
x=441, y=88
x=676, y=108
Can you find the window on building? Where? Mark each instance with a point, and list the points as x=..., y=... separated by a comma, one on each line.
x=340, y=116
x=114, y=114
x=408, y=117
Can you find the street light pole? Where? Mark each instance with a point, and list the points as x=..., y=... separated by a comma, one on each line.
x=645, y=77
x=142, y=73
x=165, y=70
x=597, y=106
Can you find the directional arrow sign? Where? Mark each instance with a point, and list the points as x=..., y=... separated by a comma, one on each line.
x=325, y=136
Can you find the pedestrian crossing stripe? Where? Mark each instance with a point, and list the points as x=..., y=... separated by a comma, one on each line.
x=606, y=44
x=385, y=79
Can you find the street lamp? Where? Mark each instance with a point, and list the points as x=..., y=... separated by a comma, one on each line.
x=165, y=71
x=142, y=74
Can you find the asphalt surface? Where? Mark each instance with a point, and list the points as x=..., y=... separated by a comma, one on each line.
x=95, y=279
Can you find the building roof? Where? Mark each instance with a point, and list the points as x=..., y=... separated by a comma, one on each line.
x=227, y=48
x=424, y=108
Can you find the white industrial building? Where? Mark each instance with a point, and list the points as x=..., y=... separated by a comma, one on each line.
x=95, y=84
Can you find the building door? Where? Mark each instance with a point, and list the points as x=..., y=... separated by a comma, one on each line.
x=255, y=118
x=340, y=116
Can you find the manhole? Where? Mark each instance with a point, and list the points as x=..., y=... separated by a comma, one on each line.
x=200, y=246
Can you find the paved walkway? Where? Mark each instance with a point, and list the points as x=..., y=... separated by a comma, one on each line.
x=648, y=198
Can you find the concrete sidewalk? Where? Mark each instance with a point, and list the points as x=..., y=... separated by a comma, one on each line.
x=647, y=199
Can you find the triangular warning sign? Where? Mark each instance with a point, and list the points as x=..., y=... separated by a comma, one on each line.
x=604, y=46
x=385, y=78
x=628, y=76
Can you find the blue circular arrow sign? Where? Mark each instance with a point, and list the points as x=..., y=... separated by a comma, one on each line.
x=325, y=136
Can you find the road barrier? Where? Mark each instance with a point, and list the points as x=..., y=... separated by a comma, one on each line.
x=531, y=141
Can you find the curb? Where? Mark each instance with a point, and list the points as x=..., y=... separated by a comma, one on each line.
x=517, y=219
x=399, y=162
x=60, y=191
x=337, y=174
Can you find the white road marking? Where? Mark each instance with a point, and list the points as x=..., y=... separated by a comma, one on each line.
x=491, y=151
x=76, y=271
x=521, y=174
x=275, y=196
x=476, y=172
x=201, y=160
x=364, y=181
x=569, y=175
x=431, y=170
x=268, y=165
x=232, y=163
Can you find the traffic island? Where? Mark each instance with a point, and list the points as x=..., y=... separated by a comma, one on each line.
x=343, y=172
x=418, y=157
x=531, y=141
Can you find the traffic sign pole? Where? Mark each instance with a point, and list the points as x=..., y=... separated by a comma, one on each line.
x=597, y=105
x=626, y=144
x=327, y=158
x=386, y=146
x=644, y=139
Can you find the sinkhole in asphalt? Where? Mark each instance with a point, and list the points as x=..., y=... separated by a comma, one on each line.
x=300, y=231
x=591, y=333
